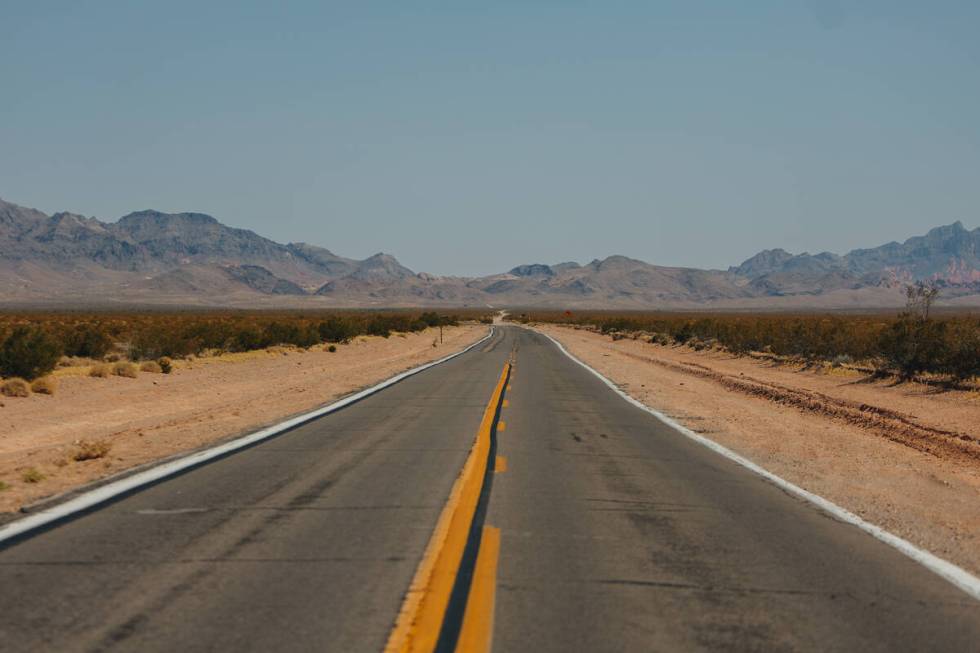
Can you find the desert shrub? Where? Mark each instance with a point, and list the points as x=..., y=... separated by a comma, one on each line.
x=90, y=450
x=126, y=369
x=72, y=361
x=142, y=336
x=152, y=343
x=28, y=352
x=100, y=371
x=32, y=475
x=166, y=365
x=336, y=329
x=3, y=486
x=46, y=385
x=332, y=348
x=378, y=326
x=914, y=344
x=291, y=333
x=152, y=367
x=911, y=343
x=432, y=319
x=684, y=333
x=15, y=387
x=962, y=351
x=87, y=341
x=247, y=338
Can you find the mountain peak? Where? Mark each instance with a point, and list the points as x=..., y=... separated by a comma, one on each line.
x=159, y=217
x=947, y=231
x=615, y=261
x=533, y=270
x=18, y=218
x=381, y=266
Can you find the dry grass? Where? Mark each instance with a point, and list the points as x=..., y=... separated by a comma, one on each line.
x=125, y=369
x=152, y=367
x=3, y=486
x=101, y=371
x=32, y=475
x=15, y=387
x=46, y=385
x=90, y=450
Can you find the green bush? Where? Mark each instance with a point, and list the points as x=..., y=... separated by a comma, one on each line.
x=913, y=345
x=963, y=352
x=29, y=352
x=152, y=343
x=336, y=329
x=87, y=341
x=378, y=326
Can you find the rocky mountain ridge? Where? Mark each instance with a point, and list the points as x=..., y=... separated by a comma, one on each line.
x=150, y=256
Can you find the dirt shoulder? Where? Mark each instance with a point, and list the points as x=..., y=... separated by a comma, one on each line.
x=903, y=456
x=203, y=401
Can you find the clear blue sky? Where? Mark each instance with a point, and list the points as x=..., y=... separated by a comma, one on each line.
x=466, y=137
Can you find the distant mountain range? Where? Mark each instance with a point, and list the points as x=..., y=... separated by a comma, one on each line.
x=190, y=258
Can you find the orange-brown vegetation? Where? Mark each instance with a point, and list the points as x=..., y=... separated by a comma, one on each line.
x=100, y=371
x=32, y=344
x=125, y=369
x=90, y=450
x=46, y=385
x=152, y=367
x=905, y=345
x=15, y=387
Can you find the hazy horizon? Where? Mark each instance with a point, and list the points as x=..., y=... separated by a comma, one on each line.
x=465, y=141
x=504, y=267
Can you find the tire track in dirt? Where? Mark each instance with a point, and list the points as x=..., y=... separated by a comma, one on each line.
x=894, y=426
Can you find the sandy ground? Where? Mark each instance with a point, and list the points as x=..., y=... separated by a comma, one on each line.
x=902, y=456
x=203, y=401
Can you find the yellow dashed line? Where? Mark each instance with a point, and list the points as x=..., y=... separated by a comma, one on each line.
x=477, y=632
x=424, y=608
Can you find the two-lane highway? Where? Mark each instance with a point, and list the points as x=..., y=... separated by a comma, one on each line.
x=608, y=531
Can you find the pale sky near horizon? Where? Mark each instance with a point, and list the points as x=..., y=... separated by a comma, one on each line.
x=466, y=138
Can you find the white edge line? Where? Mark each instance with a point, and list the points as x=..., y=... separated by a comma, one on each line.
x=958, y=576
x=113, y=489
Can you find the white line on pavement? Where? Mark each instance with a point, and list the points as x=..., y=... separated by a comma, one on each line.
x=958, y=576
x=127, y=484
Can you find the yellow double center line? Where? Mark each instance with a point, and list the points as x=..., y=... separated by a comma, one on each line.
x=424, y=608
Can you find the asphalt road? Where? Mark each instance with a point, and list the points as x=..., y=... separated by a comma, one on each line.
x=616, y=534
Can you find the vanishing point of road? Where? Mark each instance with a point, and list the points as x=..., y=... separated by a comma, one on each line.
x=579, y=523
